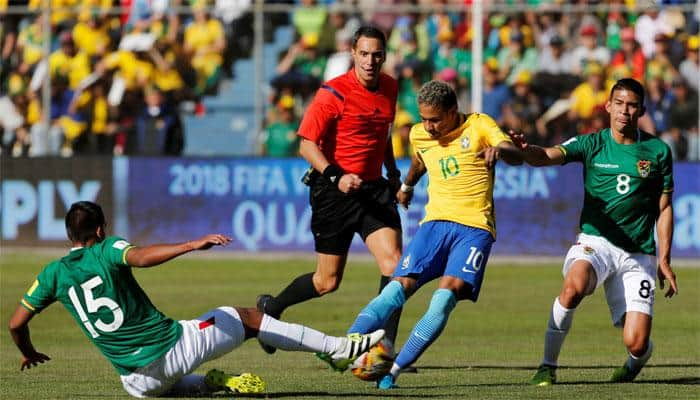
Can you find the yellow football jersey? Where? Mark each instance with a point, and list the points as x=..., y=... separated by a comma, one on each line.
x=460, y=188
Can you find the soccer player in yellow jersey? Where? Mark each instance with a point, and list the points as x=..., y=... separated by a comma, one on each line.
x=458, y=152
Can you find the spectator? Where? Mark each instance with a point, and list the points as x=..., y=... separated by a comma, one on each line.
x=204, y=44
x=400, y=135
x=238, y=30
x=515, y=58
x=165, y=23
x=496, y=93
x=683, y=119
x=648, y=26
x=588, y=51
x=515, y=25
x=554, y=59
x=589, y=97
x=301, y=68
x=139, y=17
x=13, y=123
x=453, y=60
x=411, y=77
x=523, y=108
x=30, y=44
x=281, y=139
x=546, y=29
x=62, y=131
x=69, y=62
x=662, y=52
x=690, y=67
x=166, y=76
x=101, y=128
x=554, y=80
x=613, y=30
x=158, y=130
x=341, y=60
x=402, y=46
x=309, y=18
x=91, y=36
x=493, y=41
x=659, y=101
x=630, y=55
x=338, y=22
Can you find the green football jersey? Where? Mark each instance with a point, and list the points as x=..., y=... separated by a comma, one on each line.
x=96, y=286
x=623, y=185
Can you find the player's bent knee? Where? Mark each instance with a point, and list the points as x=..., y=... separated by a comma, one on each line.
x=636, y=344
x=571, y=294
x=251, y=319
x=388, y=266
x=326, y=285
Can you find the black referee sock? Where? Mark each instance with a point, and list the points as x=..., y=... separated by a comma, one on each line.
x=392, y=324
x=301, y=289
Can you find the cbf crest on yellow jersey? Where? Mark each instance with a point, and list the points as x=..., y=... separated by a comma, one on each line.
x=460, y=187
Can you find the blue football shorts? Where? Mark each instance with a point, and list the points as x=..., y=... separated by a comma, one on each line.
x=445, y=248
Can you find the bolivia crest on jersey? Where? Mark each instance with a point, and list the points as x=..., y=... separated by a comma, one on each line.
x=643, y=167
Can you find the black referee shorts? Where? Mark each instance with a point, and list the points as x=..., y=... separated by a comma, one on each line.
x=336, y=216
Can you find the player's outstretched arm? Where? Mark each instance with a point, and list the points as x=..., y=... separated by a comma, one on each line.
x=535, y=155
x=664, y=231
x=150, y=256
x=19, y=330
x=505, y=151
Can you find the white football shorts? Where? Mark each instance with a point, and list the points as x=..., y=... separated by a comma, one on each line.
x=206, y=338
x=629, y=278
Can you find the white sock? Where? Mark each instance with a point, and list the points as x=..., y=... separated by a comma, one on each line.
x=295, y=337
x=190, y=385
x=395, y=371
x=558, y=326
x=636, y=363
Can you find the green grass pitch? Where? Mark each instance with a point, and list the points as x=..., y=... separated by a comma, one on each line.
x=487, y=351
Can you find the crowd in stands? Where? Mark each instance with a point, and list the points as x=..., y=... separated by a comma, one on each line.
x=120, y=73
x=120, y=82
x=546, y=73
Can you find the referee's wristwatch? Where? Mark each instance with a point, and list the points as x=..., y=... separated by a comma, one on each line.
x=332, y=174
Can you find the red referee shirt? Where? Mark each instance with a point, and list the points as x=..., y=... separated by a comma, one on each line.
x=351, y=123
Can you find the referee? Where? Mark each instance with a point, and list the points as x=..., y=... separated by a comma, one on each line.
x=344, y=136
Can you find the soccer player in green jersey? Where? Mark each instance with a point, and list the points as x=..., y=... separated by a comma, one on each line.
x=628, y=183
x=153, y=354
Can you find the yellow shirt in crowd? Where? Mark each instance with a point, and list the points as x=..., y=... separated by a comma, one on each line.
x=584, y=99
x=135, y=72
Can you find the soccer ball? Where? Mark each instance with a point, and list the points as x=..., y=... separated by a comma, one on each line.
x=375, y=363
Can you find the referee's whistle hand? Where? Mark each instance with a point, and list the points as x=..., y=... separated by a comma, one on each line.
x=349, y=183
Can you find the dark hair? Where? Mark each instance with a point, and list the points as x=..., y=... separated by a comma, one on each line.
x=82, y=221
x=370, y=32
x=437, y=94
x=629, y=84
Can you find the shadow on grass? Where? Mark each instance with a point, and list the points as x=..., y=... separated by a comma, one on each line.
x=689, y=380
x=405, y=392
x=534, y=367
x=379, y=394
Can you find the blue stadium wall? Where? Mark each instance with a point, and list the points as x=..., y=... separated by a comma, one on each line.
x=263, y=205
